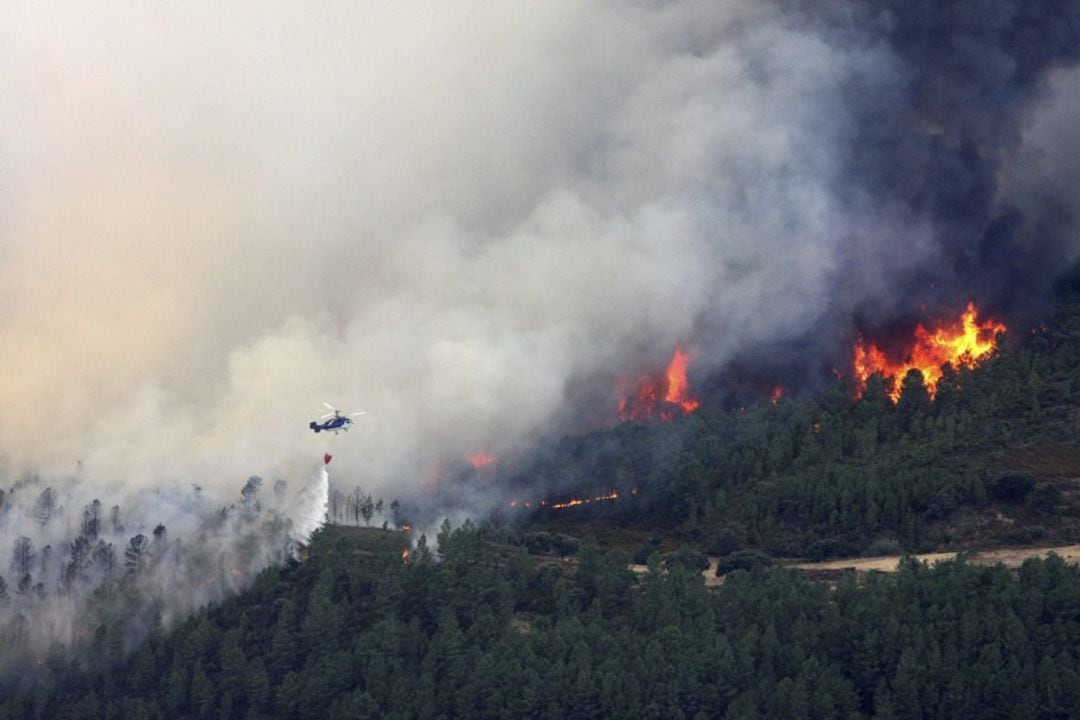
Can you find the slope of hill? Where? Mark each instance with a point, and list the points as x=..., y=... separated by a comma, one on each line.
x=992, y=460
x=356, y=632
x=501, y=624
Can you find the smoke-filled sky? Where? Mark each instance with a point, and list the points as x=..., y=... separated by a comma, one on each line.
x=216, y=216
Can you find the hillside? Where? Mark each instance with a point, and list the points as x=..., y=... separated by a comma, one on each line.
x=356, y=632
x=993, y=459
x=539, y=614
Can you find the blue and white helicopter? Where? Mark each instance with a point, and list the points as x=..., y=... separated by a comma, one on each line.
x=334, y=420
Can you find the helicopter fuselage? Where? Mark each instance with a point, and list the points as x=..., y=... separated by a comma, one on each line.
x=334, y=424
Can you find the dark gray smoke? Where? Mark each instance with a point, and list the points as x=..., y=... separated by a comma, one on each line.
x=958, y=167
x=946, y=140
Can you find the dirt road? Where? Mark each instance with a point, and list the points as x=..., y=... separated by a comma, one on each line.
x=1009, y=557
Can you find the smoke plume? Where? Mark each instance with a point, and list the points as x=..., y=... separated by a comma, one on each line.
x=466, y=218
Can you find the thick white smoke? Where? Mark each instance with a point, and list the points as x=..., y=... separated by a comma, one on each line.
x=214, y=217
x=310, y=513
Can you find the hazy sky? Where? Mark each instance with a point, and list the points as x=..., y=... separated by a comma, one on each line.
x=216, y=216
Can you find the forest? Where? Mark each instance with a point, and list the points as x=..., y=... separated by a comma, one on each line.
x=825, y=475
x=537, y=614
x=487, y=631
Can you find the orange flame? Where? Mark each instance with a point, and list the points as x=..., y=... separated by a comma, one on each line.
x=678, y=389
x=479, y=460
x=963, y=342
x=777, y=393
x=574, y=502
x=405, y=555
x=660, y=397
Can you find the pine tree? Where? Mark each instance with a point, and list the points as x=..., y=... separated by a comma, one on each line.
x=176, y=693
x=78, y=558
x=91, y=523
x=284, y=644
x=45, y=507
x=104, y=558
x=233, y=663
x=257, y=685
x=114, y=520
x=203, y=692
x=22, y=556
x=135, y=555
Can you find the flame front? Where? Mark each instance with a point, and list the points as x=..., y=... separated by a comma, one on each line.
x=660, y=397
x=571, y=502
x=678, y=389
x=574, y=502
x=961, y=343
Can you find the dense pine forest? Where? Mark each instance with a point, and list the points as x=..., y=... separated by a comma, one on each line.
x=539, y=615
x=488, y=632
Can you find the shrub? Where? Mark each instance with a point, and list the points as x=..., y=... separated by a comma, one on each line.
x=742, y=560
x=1011, y=487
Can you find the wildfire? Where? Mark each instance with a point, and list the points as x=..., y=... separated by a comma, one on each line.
x=574, y=502
x=479, y=460
x=660, y=397
x=776, y=394
x=962, y=342
x=405, y=555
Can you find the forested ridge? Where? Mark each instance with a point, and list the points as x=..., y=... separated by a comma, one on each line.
x=529, y=616
x=357, y=632
x=991, y=459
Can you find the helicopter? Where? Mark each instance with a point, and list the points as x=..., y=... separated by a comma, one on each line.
x=334, y=420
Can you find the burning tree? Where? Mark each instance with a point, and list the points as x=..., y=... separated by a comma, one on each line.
x=661, y=396
x=963, y=342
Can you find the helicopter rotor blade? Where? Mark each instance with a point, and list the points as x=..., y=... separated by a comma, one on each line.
x=361, y=412
x=329, y=406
